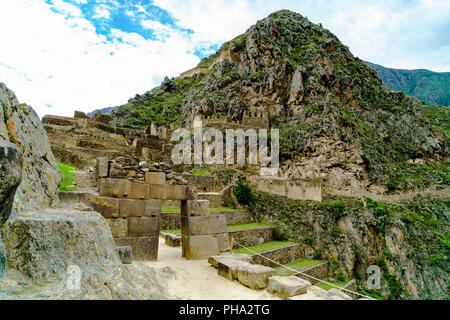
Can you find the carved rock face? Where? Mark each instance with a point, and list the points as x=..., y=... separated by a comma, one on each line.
x=11, y=160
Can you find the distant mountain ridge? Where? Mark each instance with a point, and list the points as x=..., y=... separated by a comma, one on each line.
x=427, y=86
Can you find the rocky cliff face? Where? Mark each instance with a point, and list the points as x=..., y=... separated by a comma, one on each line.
x=19, y=124
x=337, y=121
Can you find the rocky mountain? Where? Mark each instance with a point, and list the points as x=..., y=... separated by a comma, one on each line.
x=428, y=86
x=20, y=125
x=337, y=120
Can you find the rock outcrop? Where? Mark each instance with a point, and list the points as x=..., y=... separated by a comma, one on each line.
x=19, y=124
x=337, y=121
x=11, y=160
x=71, y=255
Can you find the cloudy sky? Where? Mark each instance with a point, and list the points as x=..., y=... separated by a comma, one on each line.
x=62, y=55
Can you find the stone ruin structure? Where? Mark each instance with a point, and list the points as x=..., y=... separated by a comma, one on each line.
x=80, y=140
x=132, y=208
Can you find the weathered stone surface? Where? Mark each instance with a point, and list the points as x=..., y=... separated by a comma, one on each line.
x=153, y=208
x=286, y=287
x=255, y=276
x=117, y=188
x=155, y=178
x=173, y=240
x=223, y=241
x=107, y=206
x=229, y=268
x=11, y=160
x=68, y=241
x=214, y=260
x=102, y=167
x=139, y=191
x=119, y=227
x=144, y=248
x=172, y=192
x=143, y=226
x=202, y=208
x=131, y=208
x=203, y=225
x=83, y=179
x=21, y=125
x=125, y=254
x=199, y=247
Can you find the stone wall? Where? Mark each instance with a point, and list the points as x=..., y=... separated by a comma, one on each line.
x=284, y=255
x=252, y=237
x=321, y=271
x=296, y=189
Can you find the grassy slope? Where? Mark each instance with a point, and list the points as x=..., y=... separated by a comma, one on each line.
x=68, y=179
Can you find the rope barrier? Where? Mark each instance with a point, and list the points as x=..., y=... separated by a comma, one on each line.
x=296, y=272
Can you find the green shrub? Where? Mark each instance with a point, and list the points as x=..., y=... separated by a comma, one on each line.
x=244, y=193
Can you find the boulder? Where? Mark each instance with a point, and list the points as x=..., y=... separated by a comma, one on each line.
x=66, y=255
x=11, y=160
x=20, y=125
x=255, y=276
x=286, y=287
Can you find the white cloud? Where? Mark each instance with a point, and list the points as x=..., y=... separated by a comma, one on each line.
x=60, y=59
x=102, y=12
x=71, y=67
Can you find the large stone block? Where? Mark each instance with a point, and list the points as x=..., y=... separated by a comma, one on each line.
x=102, y=167
x=131, y=208
x=188, y=207
x=153, y=208
x=119, y=227
x=229, y=268
x=203, y=225
x=117, y=188
x=83, y=179
x=143, y=226
x=286, y=287
x=157, y=178
x=171, y=192
x=255, y=276
x=199, y=247
x=108, y=207
x=144, y=248
x=202, y=208
x=223, y=241
x=139, y=191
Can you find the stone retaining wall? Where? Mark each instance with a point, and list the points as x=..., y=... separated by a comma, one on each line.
x=282, y=255
x=321, y=271
x=251, y=237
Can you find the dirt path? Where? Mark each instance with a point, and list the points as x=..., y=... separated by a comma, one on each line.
x=199, y=280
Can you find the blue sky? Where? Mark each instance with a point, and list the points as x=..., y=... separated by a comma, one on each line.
x=66, y=55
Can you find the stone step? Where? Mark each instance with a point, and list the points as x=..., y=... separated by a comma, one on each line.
x=279, y=252
x=172, y=220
